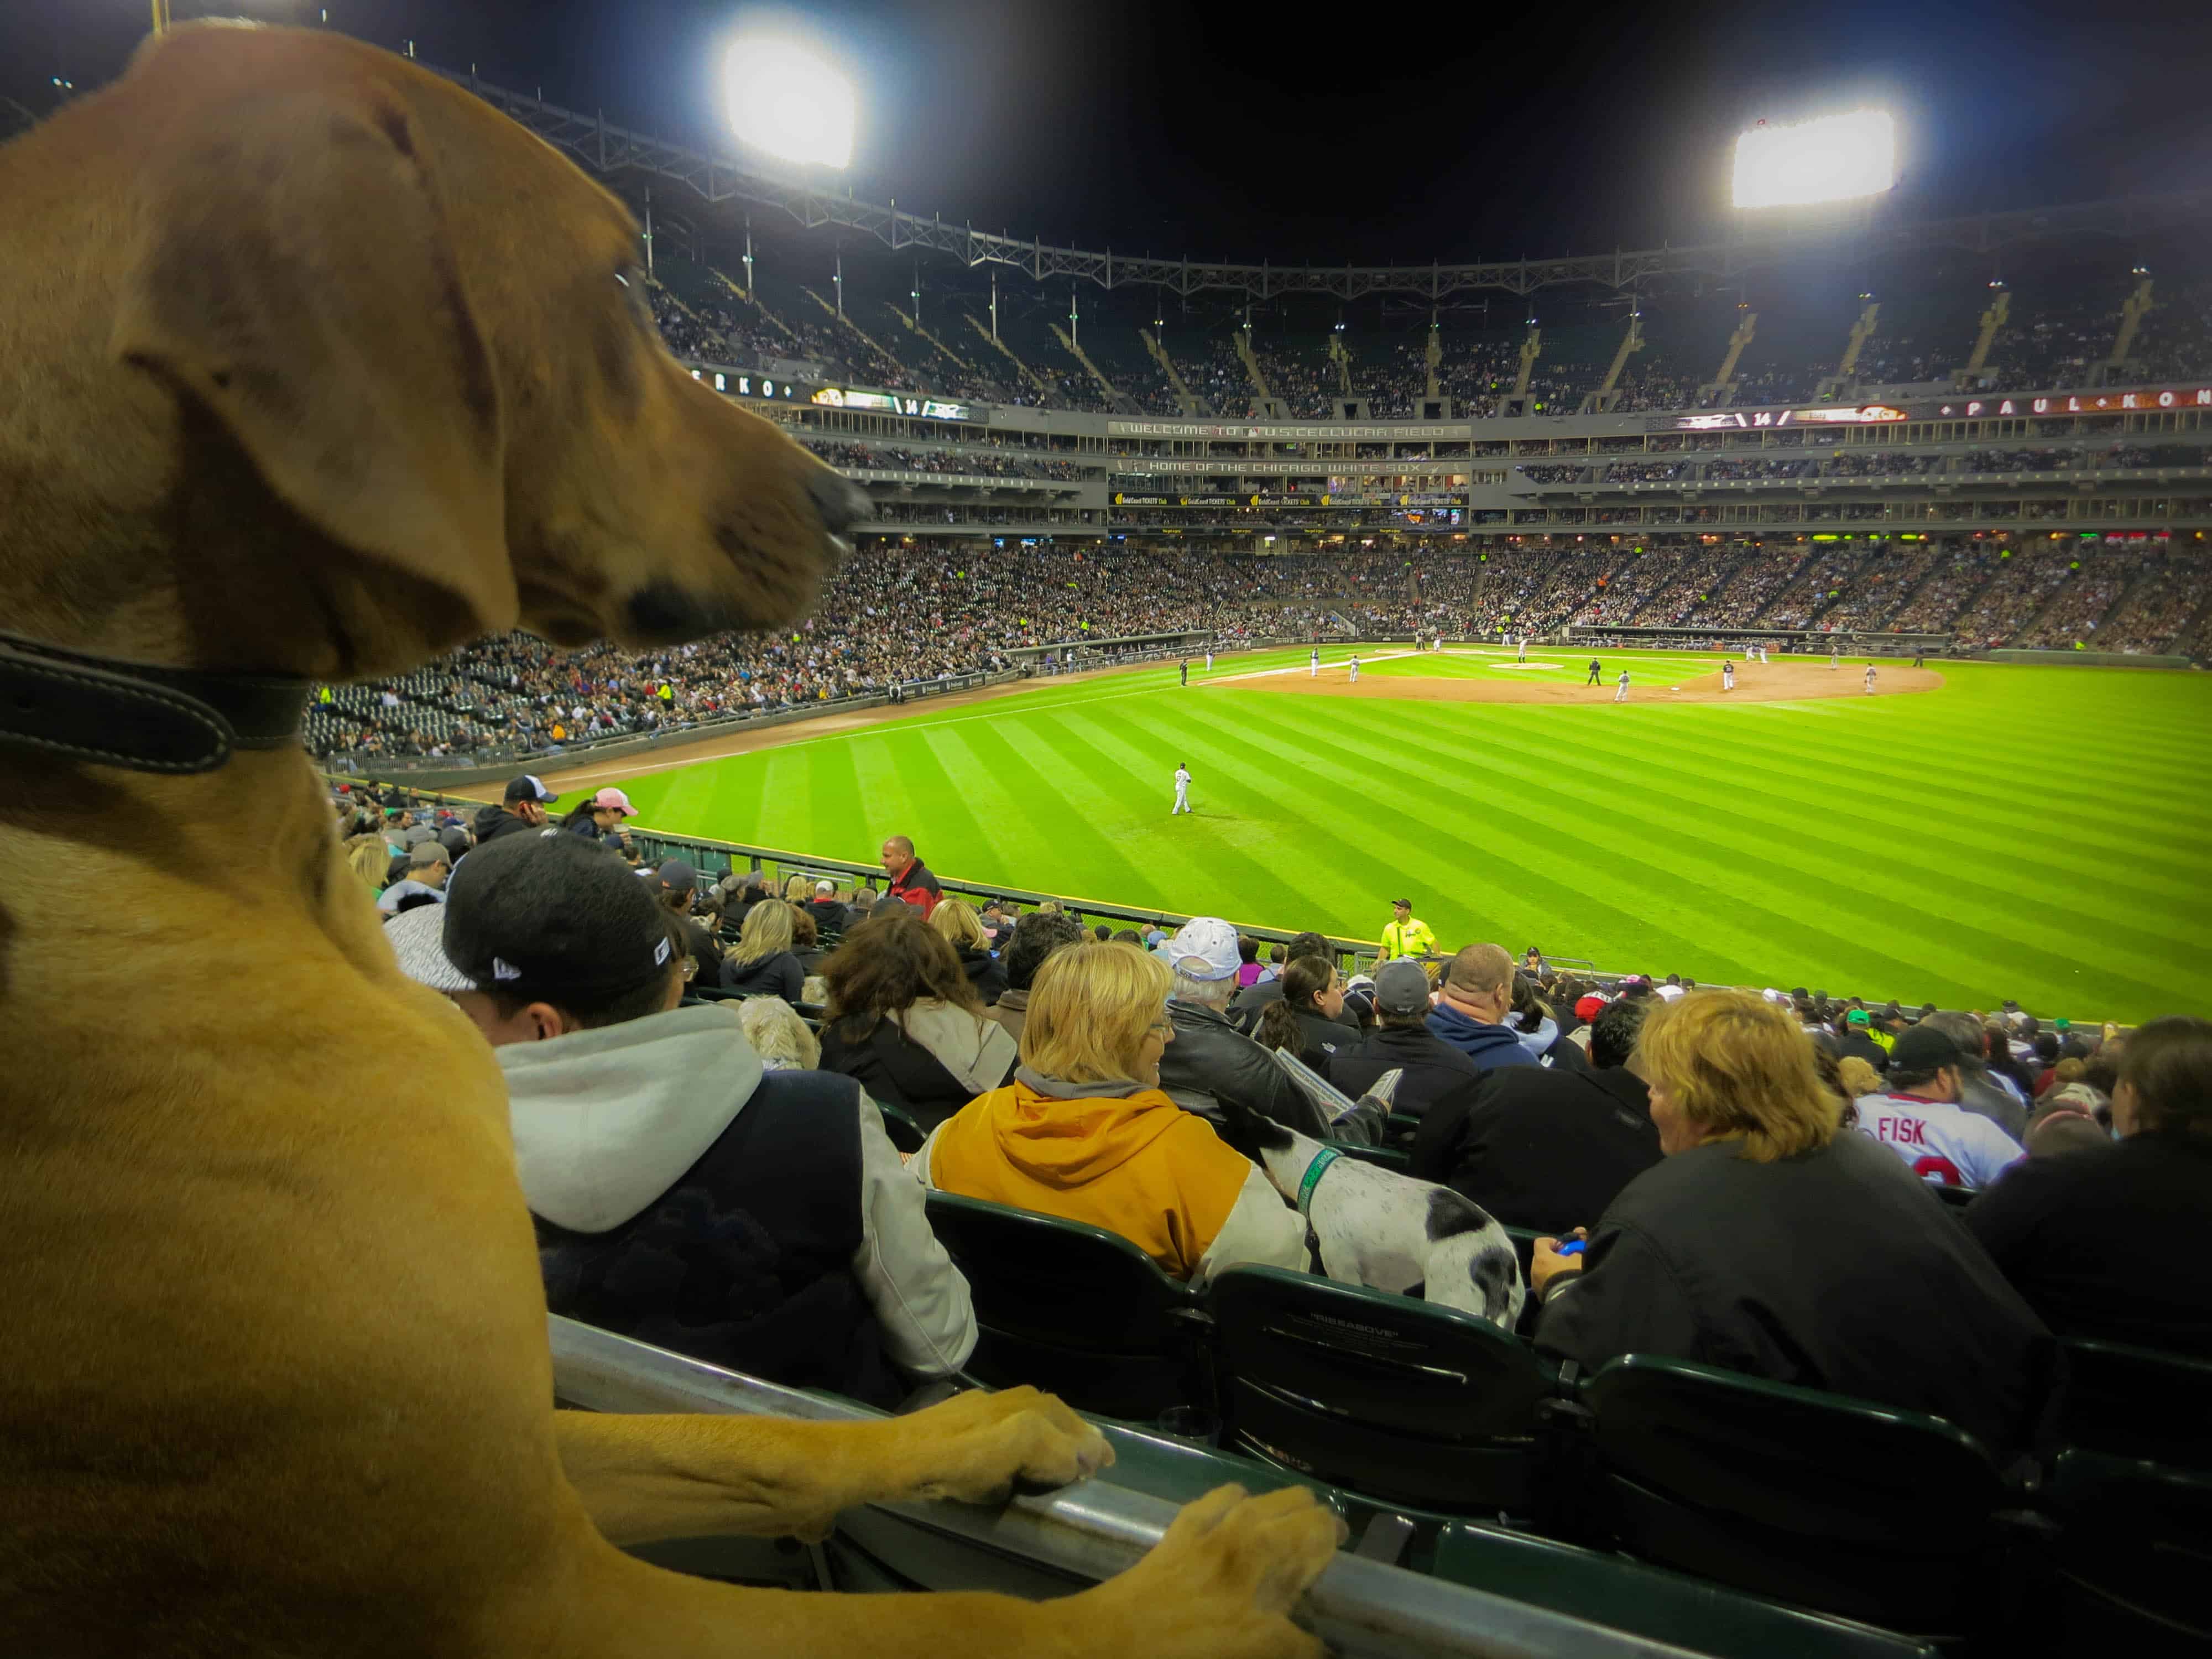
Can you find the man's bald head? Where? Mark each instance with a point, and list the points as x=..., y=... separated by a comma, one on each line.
x=1483, y=970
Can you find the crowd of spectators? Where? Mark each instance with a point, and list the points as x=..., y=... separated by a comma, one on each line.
x=897, y=613
x=973, y=459
x=1738, y=1178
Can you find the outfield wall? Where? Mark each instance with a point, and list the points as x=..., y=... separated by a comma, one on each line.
x=2088, y=659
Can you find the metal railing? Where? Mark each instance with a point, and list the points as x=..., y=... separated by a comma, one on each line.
x=1096, y=1529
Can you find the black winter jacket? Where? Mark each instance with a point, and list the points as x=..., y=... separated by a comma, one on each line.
x=1835, y=1269
x=1210, y=1059
x=1432, y=1067
x=1539, y=1146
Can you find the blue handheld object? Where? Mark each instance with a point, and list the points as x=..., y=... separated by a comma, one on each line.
x=1574, y=1247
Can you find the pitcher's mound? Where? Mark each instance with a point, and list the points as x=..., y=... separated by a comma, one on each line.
x=1774, y=682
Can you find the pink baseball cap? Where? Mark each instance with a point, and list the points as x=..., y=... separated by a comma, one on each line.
x=613, y=800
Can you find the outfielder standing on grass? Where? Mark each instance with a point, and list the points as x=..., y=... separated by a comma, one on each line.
x=1182, y=787
x=1523, y=657
x=1185, y=666
x=1313, y=665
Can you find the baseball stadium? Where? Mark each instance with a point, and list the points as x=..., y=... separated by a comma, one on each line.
x=1356, y=950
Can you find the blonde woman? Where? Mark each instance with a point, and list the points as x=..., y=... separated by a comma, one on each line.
x=955, y=919
x=762, y=961
x=797, y=890
x=369, y=858
x=1084, y=1130
x=1769, y=1240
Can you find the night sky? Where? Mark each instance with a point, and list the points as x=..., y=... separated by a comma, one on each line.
x=1221, y=131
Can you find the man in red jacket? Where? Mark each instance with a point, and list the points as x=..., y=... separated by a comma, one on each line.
x=911, y=881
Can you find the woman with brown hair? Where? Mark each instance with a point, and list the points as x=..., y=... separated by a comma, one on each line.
x=903, y=1020
x=1769, y=1240
x=1304, y=1021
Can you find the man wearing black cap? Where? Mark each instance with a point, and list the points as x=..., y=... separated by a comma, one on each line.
x=1401, y=1041
x=524, y=809
x=675, y=882
x=683, y=1195
x=1919, y=1118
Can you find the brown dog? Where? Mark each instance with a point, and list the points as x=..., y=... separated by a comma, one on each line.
x=312, y=365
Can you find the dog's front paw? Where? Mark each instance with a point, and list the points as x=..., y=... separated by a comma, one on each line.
x=980, y=1448
x=1221, y=1584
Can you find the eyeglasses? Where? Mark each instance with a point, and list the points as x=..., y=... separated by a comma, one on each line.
x=1160, y=1027
x=691, y=968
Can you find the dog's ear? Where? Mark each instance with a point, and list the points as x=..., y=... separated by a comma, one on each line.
x=292, y=271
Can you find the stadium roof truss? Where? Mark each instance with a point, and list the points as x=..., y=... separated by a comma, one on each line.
x=609, y=149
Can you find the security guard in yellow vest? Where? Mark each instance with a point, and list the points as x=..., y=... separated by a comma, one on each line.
x=1405, y=937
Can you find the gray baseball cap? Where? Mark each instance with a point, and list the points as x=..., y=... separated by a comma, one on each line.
x=1401, y=987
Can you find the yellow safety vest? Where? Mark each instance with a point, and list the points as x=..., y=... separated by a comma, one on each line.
x=1410, y=939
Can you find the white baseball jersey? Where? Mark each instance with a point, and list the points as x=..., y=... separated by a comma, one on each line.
x=1182, y=783
x=1945, y=1145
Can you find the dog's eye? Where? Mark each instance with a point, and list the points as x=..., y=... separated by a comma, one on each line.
x=632, y=280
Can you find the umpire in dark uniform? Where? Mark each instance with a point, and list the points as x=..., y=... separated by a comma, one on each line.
x=1592, y=680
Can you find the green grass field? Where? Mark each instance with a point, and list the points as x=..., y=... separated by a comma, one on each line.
x=2031, y=832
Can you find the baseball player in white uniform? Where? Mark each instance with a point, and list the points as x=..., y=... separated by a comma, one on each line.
x=1728, y=677
x=1313, y=665
x=1182, y=787
x=1523, y=657
x=1835, y=659
x=1621, y=694
x=1869, y=679
x=1209, y=659
x=1355, y=668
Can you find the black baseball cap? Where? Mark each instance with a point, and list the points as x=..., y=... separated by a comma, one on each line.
x=528, y=787
x=550, y=917
x=678, y=877
x=1921, y=1049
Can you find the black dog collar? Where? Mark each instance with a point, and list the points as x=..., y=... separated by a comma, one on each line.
x=137, y=716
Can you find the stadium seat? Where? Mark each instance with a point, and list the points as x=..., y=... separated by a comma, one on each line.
x=1688, y=1614
x=1074, y=1308
x=2126, y=1572
x=2138, y=1402
x=898, y=1123
x=1377, y=1393
x=1840, y=1505
x=1956, y=1197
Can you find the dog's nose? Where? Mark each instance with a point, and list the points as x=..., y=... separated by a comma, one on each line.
x=840, y=503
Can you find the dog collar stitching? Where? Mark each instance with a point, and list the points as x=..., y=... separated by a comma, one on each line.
x=140, y=716
x=1311, y=1178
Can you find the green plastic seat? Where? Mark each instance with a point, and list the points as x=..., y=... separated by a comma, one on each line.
x=1650, y=1602
x=905, y=1134
x=1074, y=1309
x=2129, y=1568
x=1855, y=1508
x=2138, y=1402
x=1378, y=1393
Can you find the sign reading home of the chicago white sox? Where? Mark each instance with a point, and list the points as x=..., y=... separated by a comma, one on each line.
x=1311, y=431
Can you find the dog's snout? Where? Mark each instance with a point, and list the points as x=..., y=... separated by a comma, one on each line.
x=842, y=502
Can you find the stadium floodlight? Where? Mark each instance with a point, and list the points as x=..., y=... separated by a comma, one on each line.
x=784, y=98
x=1833, y=159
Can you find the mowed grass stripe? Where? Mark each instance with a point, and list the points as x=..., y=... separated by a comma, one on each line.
x=1014, y=756
x=1542, y=858
x=1994, y=830
x=1549, y=819
x=1778, y=889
